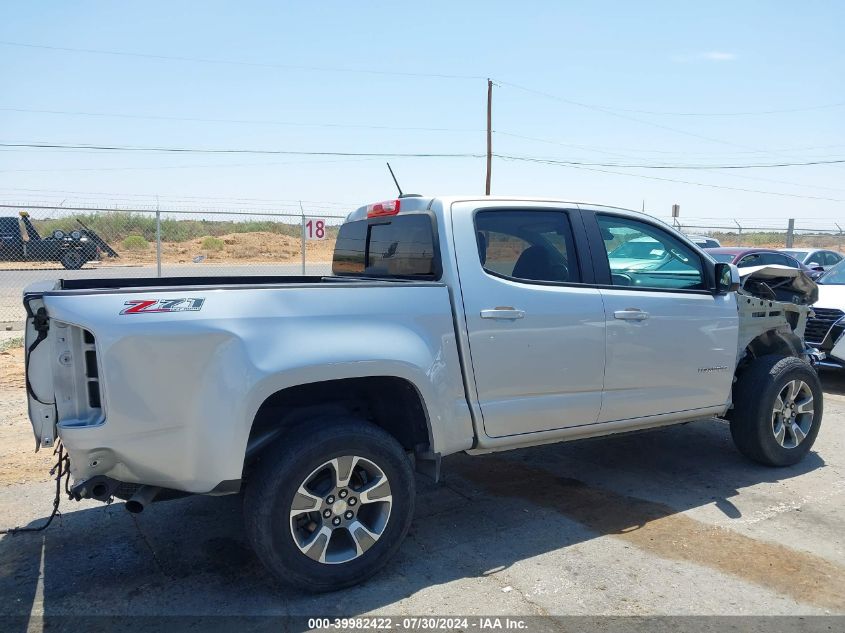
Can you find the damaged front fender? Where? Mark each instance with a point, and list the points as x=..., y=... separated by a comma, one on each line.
x=779, y=283
x=774, y=304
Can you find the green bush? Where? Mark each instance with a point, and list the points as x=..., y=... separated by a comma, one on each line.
x=210, y=243
x=9, y=343
x=135, y=243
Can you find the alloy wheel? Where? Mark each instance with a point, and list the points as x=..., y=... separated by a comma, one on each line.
x=341, y=509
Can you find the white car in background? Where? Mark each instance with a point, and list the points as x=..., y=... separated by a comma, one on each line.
x=703, y=241
x=825, y=329
x=815, y=258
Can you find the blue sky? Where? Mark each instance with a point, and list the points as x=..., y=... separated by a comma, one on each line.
x=621, y=61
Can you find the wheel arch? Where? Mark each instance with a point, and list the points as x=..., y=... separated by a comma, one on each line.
x=394, y=404
x=774, y=342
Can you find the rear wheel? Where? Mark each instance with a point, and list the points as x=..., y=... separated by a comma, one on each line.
x=72, y=259
x=328, y=508
x=777, y=410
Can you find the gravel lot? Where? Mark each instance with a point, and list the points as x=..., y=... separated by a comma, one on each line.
x=672, y=521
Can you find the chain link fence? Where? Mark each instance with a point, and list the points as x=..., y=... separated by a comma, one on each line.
x=761, y=234
x=46, y=242
x=40, y=243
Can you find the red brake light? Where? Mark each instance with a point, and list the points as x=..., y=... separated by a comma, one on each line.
x=388, y=207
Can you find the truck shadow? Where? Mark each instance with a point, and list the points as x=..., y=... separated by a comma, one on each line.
x=189, y=556
x=833, y=381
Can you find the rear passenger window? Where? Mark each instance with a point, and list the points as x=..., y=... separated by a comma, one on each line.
x=398, y=246
x=644, y=256
x=782, y=260
x=755, y=259
x=527, y=245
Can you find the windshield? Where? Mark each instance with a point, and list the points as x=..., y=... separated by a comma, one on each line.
x=834, y=277
x=635, y=249
x=722, y=257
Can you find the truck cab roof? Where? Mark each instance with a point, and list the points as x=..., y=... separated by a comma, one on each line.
x=418, y=203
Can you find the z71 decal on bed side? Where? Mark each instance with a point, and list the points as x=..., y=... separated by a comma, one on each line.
x=147, y=306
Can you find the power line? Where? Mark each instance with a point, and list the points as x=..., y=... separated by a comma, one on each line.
x=118, y=115
x=823, y=106
x=610, y=109
x=195, y=166
x=93, y=209
x=178, y=197
x=229, y=62
x=697, y=184
x=336, y=69
x=782, y=182
x=589, y=148
x=614, y=113
x=195, y=150
x=552, y=161
x=77, y=200
x=610, y=151
x=614, y=151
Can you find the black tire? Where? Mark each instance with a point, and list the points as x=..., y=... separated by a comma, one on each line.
x=755, y=393
x=286, y=464
x=73, y=259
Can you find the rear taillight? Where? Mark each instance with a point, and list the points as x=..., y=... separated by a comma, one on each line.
x=388, y=207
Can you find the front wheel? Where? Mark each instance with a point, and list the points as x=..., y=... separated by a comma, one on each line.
x=327, y=508
x=777, y=410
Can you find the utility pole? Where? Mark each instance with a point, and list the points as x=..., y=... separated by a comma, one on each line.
x=489, y=134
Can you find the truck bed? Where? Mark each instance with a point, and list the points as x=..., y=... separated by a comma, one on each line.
x=206, y=282
x=174, y=370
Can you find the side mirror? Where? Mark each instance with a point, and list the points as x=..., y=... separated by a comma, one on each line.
x=816, y=266
x=727, y=278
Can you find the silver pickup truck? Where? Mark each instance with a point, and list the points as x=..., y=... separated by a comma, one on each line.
x=449, y=324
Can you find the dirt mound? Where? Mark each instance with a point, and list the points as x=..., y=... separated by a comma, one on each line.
x=257, y=248
x=260, y=247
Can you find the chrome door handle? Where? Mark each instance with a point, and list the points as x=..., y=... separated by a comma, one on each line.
x=502, y=313
x=631, y=314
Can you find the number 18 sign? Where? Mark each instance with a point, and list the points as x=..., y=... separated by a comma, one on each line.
x=315, y=229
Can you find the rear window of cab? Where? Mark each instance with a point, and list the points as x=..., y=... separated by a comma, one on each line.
x=400, y=246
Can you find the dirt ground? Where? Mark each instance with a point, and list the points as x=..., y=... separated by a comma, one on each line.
x=17, y=463
x=260, y=247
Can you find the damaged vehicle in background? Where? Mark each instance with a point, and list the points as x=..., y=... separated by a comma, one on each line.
x=826, y=326
x=460, y=324
x=744, y=257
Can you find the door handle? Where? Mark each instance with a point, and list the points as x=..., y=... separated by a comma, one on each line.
x=631, y=314
x=502, y=313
